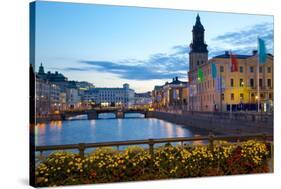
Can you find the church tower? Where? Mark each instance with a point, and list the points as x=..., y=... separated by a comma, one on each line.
x=198, y=49
x=198, y=57
x=41, y=70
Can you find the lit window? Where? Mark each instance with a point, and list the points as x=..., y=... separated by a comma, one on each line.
x=241, y=83
x=241, y=96
x=232, y=96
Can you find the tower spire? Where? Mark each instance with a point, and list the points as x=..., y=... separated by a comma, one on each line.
x=41, y=69
x=197, y=18
x=198, y=41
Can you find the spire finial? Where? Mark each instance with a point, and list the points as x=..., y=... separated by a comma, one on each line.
x=198, y=18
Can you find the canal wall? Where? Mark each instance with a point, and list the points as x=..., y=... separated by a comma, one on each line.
x=218, y=122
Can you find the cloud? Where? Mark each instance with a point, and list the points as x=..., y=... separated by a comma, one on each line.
x=247, y=37
x=175, y=63
x=157, y=66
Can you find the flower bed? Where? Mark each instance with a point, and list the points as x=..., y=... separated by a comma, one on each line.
x=135, y=163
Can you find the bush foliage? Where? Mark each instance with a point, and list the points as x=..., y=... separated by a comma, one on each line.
x=135, y=163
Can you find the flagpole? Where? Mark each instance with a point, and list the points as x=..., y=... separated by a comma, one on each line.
x=230, y=72
x=220, y=91
x=258, y=77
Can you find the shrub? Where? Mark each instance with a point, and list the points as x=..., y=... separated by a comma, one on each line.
x=135, y=163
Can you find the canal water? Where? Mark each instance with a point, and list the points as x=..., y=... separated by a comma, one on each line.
x=107, y=128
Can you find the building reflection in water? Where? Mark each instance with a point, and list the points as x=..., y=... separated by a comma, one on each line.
x=119, y=126
x=101, y=130
x=40, y=129
x=92, y=123
x=169, y=128
x=56, y=125
x=198, y=142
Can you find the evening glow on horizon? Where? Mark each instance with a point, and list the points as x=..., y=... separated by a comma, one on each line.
x=111, y=45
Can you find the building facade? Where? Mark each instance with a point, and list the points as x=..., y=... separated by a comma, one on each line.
x=172, y=95
x=229, y=90
x=240, y=88
x=124, y=97
x=143, y=99
x=42, y=89
x=73, y=99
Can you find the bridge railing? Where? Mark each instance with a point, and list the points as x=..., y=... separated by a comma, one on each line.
x=81, y=147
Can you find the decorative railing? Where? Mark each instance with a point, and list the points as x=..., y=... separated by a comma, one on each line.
x=81, y=147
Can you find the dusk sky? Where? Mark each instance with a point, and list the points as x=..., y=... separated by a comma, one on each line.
x=111, y=45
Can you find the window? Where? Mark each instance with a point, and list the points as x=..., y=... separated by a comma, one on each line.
x=269, y=83
x=222, y=96
x=232, y=82
x=241, y=83
x=221, y=68
x=241, y=96
x=252, y=95
x=251, y=69
x=270, y=95
x=252, y=82
x=202, y=62
x=268, y=69
x=198, y=62
x=260, y=69
x=260, y=82
x=241, y=69
x=232, y=96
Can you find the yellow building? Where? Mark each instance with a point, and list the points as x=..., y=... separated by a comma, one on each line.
x=172, y=95
x=229, y=91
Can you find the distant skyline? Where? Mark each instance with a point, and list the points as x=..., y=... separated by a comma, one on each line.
x=111, y=45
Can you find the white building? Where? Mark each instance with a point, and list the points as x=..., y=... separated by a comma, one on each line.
x=110, y=96
x=73, y=98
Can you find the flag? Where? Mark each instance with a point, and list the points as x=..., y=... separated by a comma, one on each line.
x=214, y=70
x=261, y=51
x=220, y=84
x=234, y=63
x=200, y=75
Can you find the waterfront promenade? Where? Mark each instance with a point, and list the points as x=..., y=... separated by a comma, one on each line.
x=220, y=122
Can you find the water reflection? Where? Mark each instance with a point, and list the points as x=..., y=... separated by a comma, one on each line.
x=56, y=125
x=83, y=116
x=102, y=130
x=198, y=142
x=107, y=116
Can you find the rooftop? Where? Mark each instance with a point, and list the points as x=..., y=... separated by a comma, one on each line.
x=239, y=56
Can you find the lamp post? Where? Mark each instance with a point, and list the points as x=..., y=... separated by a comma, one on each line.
x=257, y=98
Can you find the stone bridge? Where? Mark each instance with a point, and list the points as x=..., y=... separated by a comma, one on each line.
x=94, y=113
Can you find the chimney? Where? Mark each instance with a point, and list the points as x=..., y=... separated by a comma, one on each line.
x=255, y=52
x=176, y=78
x=226, y=53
